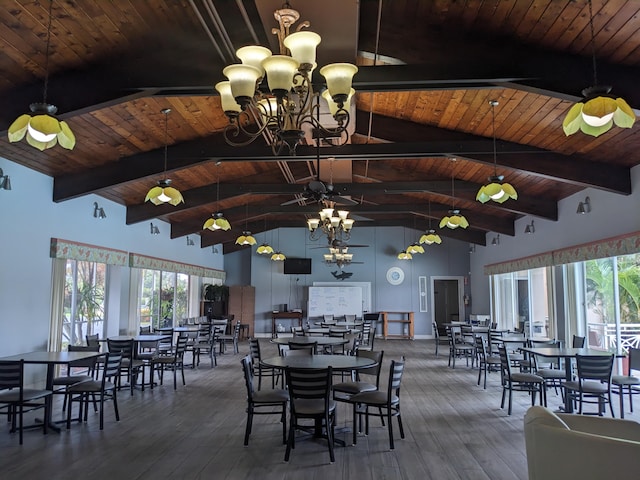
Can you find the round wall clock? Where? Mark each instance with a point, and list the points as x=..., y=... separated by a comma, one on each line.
x=395, y=276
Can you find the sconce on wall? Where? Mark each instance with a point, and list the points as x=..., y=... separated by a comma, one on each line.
x=190, y=243
x=496, y=240
x=154, y=229
x=584, y=207
x=98, y=212
x=530, y=228
x=5, y=182
x=214, y=250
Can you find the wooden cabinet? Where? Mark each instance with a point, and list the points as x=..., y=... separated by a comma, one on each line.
x=242, y=300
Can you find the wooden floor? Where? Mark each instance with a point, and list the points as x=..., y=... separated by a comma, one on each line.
x=454, y=430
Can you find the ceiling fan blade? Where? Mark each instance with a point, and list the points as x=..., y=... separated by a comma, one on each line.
x=291, y=202
x=340, y=200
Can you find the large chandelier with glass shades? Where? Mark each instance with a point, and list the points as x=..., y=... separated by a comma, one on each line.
x=339, y=256
x=332, y=223
x=282, y=109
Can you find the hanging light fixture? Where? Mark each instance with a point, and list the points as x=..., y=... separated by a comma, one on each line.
x=332, y=223
x=404, y=255
x=246, y=238
x=599, y=110
x=339, y=256
x=265, y=248
x=164, y=192
x=430, y=236
x=41, y=129
x=496, y=190
x=291, y=101
x=278, y=256
x=217, y=220
x=455, y=219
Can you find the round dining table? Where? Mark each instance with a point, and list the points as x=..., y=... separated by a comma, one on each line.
x=336, y=362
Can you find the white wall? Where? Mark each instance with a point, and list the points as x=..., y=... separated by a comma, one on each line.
x=28, y=221
x=611, y=215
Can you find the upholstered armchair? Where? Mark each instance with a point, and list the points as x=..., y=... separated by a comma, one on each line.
x=577, y=446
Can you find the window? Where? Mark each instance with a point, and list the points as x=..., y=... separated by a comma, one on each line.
x=163, y=299
x=84, y=301
x=522, y=302
x=612, y=302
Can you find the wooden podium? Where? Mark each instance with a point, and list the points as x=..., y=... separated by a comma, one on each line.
x=403, y=318
x=286, y=316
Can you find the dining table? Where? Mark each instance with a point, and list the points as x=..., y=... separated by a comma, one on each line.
x=50, y=359
x=567, y=354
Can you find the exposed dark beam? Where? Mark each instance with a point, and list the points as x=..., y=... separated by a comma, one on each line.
x=236, y=216
x=574, y=169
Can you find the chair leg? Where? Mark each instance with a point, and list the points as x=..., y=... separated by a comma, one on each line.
x=247, y=430
x=621, y=394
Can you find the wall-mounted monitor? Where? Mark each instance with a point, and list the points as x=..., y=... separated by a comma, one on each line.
x=297, y=266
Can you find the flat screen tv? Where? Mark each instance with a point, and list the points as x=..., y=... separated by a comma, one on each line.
x=297, y=266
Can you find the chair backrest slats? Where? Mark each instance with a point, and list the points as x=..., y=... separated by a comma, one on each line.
x=11, y=374
x=595, y=367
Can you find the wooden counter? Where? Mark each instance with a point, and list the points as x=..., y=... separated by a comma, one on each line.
x=402, y=318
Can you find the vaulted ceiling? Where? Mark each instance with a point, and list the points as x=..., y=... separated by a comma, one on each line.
x=427, y=73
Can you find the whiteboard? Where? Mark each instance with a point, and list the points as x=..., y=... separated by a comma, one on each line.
x=335, y=300
x=365, y=286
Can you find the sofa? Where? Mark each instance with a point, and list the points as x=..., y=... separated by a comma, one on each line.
x=564, y=446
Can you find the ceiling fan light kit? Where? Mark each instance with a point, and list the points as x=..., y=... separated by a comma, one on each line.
x=290, y=103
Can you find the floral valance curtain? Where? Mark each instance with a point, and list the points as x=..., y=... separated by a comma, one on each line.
x=90, y=253
x=137, y=260
x=608, y=247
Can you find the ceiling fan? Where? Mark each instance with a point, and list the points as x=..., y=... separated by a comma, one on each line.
x=321, y=192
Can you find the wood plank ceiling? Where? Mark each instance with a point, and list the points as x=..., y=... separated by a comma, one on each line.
x=113, y=66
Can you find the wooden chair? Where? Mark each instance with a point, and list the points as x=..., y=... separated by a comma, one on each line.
x=19, y=399
x=628, y=382
x=262, y=399
x=387, y=403
x=310, y=398
x=106, y=388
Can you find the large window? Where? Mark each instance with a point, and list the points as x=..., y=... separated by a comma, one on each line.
x=521, y=302
x=84, y=301
x=164, y=298
x=612, y=302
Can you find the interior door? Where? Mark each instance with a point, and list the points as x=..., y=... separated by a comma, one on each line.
x=446, y=304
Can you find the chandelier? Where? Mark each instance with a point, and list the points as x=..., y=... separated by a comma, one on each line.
x=287, y=102
x=338, y=256
x=334, y=227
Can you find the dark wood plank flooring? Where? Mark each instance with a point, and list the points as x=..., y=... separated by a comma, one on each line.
x=454, y=430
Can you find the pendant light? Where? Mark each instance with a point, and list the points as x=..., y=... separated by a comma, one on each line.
x=217, y=220
x=164, y=192
x=454, y=219
x=278, y=256
x=495, y=190
x=415, y=247
x=265, y=248
x=599, y=109
x=246, y=238
x=41, y=129
x=430, y=236
x=404, y=254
